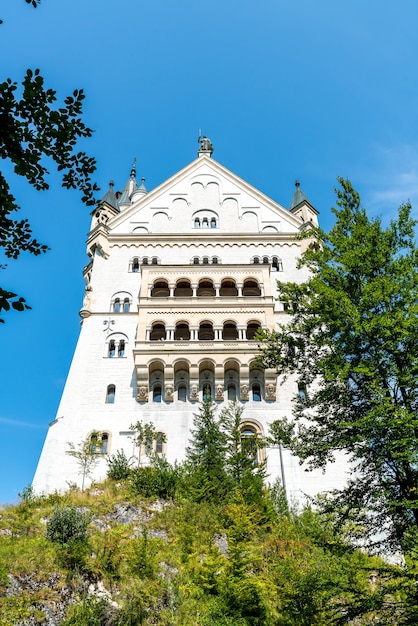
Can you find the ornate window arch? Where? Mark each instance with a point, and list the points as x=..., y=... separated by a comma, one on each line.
x=228, y=287
x=252, y=436
x=99, y=442
x=158, y=331
x=251, y=287
x=116, y=345
x=160, y=288
x=121, y=302
x=183, y=288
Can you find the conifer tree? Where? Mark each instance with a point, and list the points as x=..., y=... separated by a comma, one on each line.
x=353, y=345
x=206, y=456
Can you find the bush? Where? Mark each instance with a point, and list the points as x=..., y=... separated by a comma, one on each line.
x=67, y=525
x=159, y=479
x=118, y=466
x=90, y=612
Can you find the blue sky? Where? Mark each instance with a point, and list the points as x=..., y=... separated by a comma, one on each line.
x=285, y=90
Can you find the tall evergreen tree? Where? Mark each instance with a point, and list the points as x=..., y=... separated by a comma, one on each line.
x=353, y=342
x=206, y=456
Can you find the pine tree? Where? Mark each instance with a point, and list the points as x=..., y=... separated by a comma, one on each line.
x=206, y=456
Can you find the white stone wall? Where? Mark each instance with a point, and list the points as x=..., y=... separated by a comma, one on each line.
x=165, y=218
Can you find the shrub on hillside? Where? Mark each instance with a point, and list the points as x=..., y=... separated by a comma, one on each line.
x=159, y=479
x=67, y=525
x=118, y=466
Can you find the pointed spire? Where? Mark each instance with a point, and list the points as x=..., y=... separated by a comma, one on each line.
x=298, y=196
x=139, y=191
x=110, y=197
x=130, y=188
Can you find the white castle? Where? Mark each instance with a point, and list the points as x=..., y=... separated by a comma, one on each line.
x=178, y=281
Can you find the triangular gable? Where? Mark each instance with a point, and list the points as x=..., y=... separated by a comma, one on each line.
x=204, y=190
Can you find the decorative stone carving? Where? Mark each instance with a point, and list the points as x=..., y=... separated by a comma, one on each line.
x=194, y=390
x=244, y=392
x=142, y=393
x=270, y=391
x=169, y=391
x=219, y=392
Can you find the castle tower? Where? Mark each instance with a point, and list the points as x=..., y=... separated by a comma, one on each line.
x=178, y=281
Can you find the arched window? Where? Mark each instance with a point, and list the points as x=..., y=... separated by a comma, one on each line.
x=252, y=328
x=104, y=443
x=159, y=443
x=256, y=392
x=157, y=332
x=277, y=264
x=251, y=288
x=196, y=260
x=157, y=393
x=206, y=332
x=213, y=222
x=182, y=332
x=249, y=443
x=160, y=289
x=205, y=260
x=232, y=391
x=126, y=305
x=154, y=260
x=116, y=305
x=182, y=393
x=121, y=348
x=205, y=222
x=112, y=349
x=110, y=394
x=183, y=289
x=145, y=261
x=196, y=222
x=215, y=260
x=256, y=260
x=302, y=392
x=207, y=391
x=206, y=289
x=230, y=332
x=99, y=443
x=266, y=260
x=135, y=265
x=228, y=288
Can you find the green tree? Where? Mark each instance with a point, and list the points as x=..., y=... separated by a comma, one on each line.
x=35, y=131
x=242, y=461
x=353, y=342
x=144, y=437
x=86, y=454
x=206, y=474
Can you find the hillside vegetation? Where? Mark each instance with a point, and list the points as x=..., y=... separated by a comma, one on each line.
x=110, y=556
